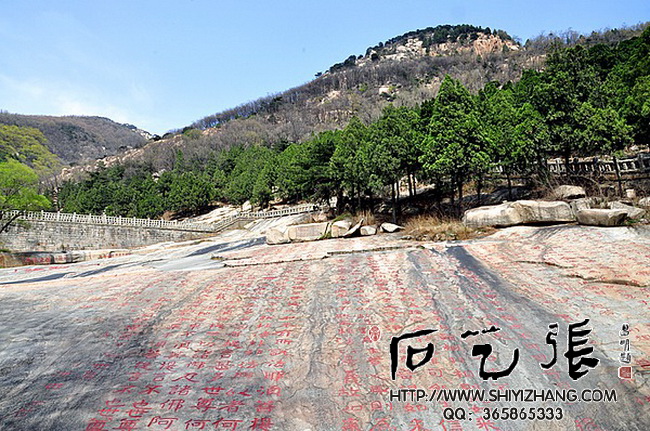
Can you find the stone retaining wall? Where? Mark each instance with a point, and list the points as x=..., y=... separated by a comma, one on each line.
x=61, y=236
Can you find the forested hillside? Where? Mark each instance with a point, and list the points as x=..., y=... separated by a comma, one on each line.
x=80, y=139
x=590, y=98
x=23, y=159
x=404, y=71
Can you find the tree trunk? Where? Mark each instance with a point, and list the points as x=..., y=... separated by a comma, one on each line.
x=359, y=198
x=509, y=185
x=408, y=179
x=460, y=198
x=6, y=225
x=339, y=201
x=394, y=202
x=453, y=195
x=479, y=187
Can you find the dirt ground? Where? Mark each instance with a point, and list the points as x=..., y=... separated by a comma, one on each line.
x=232, y=333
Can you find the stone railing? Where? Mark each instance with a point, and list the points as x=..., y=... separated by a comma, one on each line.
x=156, y=224
x=627, y=166
x=107, y=220
x=228, y=221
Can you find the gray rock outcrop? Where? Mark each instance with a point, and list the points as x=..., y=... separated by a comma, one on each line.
x=390, y=227
x=569, y=192
x=354, y=229
x=340, y=228
x=583, y=204
x=601, y=217
x=519, y=212
x=277, y=236
x=632, y=212
x=308, y=232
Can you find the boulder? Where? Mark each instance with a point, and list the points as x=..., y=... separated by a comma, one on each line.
x=519, y=212
x=368, y=230
x=277, y=236
x=340, y=228
x=583, y=204
x=569, y=192
x=308, y=232
x=320, y=216
x=390, y=227
x=354, y=229
x=601, y=217
x=246, y=207
x=632, y=212
x=644, y=202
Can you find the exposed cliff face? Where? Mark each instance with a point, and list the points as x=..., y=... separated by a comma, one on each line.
x=415, y=47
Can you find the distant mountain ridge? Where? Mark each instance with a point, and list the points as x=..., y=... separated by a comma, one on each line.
x=78, y=140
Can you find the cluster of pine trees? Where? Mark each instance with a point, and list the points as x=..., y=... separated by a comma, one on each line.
x=587, y=101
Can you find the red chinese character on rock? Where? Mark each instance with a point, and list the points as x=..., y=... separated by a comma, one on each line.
x=217, y=376
x=204, y=404
x=190, y=377
x=263, y=424
x=127, y=424
x=132, y=376
x=351, y=424
x=152, y=353
x=230, y=424
x=274, y=375
x=351, y=377
x=232, y=406
x=180, y=390
x=214, y=390
x=223, y=366
x=143, y=365
x=173, y=404
x=182, y=345
x=108, y=413
x=196, y=364
x=163, y=422
x=140, y=408
x=96, y=425
x=151, y=389
x=196, y=423
x=418, y=425
x=168, y=365
x=264, y=407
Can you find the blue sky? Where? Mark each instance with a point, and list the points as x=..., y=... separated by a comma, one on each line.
x=163, y=64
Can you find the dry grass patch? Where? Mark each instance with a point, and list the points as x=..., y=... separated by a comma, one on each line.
x=367, y=216
x=431, y=228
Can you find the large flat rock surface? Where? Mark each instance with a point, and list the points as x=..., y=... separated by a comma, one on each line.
x=297, y=336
